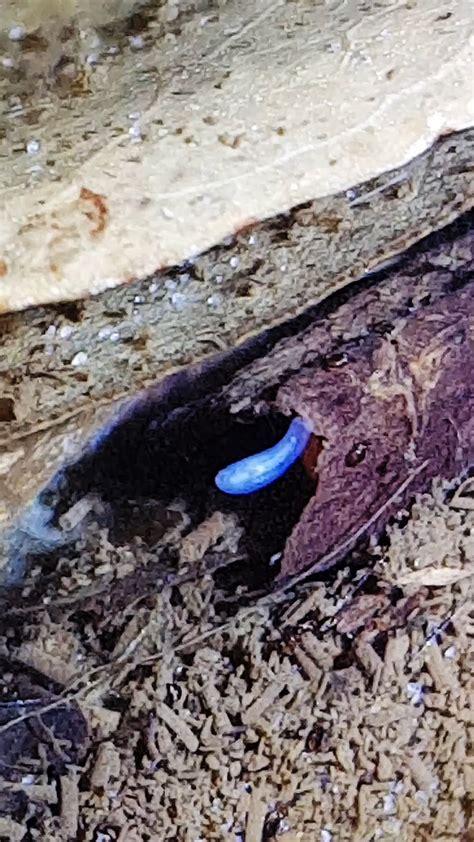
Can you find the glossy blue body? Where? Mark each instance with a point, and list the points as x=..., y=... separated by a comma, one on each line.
x=258, y=471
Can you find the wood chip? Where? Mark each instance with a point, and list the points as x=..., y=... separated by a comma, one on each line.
x=464, y=496
x=195, y=545
x=368, y=657
x=422, y=777
x=256, y=710
x=69, y=804
x=256, y=816
x=359, y=611
x=295, y=614
x=312, y=671
x=73, y=517
x=107, y=766
x=180, y=728
x=385, y=770
x=439, y=670
x=437, y=576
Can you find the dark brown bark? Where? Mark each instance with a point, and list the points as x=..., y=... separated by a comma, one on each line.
x=398, y=412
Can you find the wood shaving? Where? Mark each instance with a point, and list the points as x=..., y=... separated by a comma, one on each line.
x=182, y=731
x=70, y=804
x=256, y=816
x=436, y=577
x=464, y=496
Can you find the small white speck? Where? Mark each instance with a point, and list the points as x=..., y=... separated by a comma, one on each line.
x=153, y=287
x=17, y=33
x=135, y=132
x=252, y=240
x=389, y=804
x=136, y=42
x=33, y=147
x=167, y=213
x=79, y=359
x=214, y=301
x=134, y=116
x=104, y=333
x=326, y=835
x=414, y=691
x=113, y=50
x=8, y=62
x=234, y=262
x=178, y=300
x=283, y=826
x=65, y=332
x=274, y=558
x=421, y=796
x=450, y=652
x=115, y=336
x=92, y=59
x=139, y=299
x=27, y=780
x=51, y=332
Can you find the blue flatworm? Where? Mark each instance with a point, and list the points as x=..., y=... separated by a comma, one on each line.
x=257, y=471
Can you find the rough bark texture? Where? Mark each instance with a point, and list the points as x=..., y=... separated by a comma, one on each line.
x=397, y=412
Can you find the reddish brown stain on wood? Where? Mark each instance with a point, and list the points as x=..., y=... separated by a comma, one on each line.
x=3, y=268
x=245, y=227
x=311, y=456
x=97, y=210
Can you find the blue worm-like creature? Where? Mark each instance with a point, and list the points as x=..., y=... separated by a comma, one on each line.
x=261, y=469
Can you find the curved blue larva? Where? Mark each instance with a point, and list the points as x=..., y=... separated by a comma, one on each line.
x=261, y=469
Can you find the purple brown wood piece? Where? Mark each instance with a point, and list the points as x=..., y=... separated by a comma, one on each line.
x=397, y=413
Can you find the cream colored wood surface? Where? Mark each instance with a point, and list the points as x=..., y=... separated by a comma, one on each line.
x=241, y=115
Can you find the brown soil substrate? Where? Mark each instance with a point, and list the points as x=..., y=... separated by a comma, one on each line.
x=340, y=712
